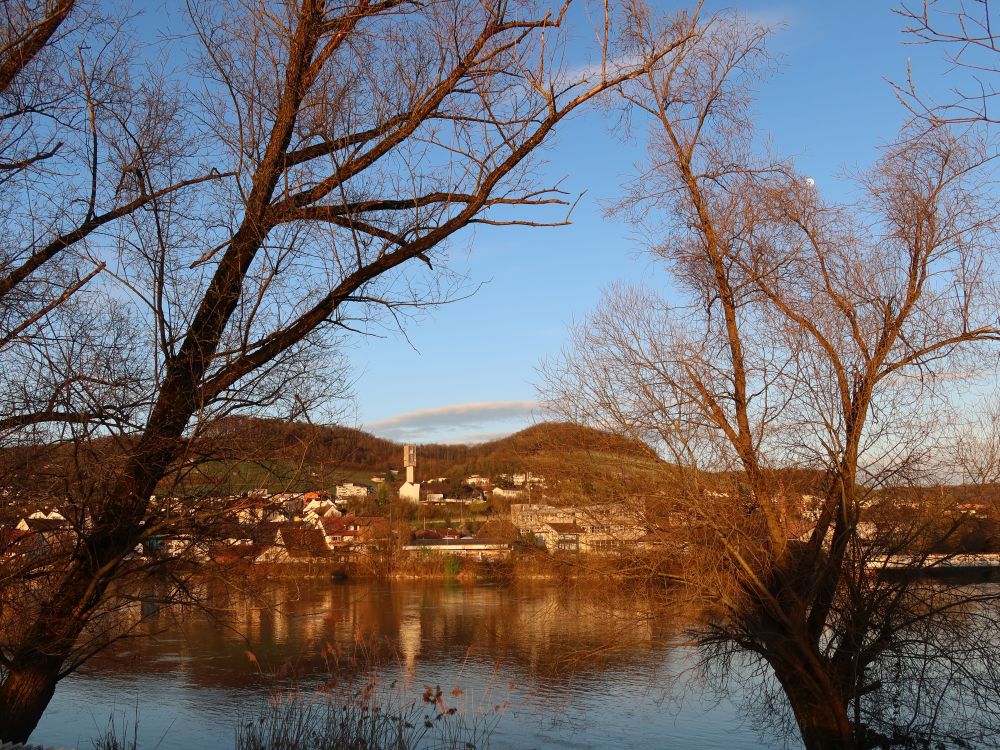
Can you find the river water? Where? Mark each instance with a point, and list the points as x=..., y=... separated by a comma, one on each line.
x=544, y=665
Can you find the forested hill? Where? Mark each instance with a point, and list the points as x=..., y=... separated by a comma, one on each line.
x=242, y=453
x=349, y=449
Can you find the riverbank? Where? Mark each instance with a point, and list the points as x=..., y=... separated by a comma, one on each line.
x=436, y=566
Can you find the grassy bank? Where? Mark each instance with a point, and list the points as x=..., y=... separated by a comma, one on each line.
x=434, y=565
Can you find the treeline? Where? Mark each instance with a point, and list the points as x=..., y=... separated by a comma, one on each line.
x=331, y=447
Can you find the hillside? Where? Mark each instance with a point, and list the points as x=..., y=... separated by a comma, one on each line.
x=243, y=453
x=239, y=454
x=283, y=455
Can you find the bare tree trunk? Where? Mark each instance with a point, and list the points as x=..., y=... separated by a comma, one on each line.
x=26, y=47
x=38, y=665
x=820, y=711
x=24, y=694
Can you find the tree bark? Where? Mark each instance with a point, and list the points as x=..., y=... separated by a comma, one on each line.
x=22, y=52
x=25, y=693
x=820, y=711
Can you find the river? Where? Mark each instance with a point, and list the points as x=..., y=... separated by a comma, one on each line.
x=545, y=665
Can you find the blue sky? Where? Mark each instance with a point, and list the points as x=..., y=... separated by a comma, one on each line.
x=470, y=368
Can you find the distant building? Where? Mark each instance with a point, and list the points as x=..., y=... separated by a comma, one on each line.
x=355, y=531
x=350, y=490
x=511, y=494
x=479, y=549
x=559, y=537
x=592, y=528
x=411, y=488
x=477, y=481
x=299, y=541
x=410, y=491
x=292, y=502
x=40, y=533
x=257, y=508
x=526, y=479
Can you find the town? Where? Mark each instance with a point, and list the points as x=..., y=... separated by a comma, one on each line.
x=327, y=524
x=340, y=529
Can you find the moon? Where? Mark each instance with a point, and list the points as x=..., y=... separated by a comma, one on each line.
x=810, y=182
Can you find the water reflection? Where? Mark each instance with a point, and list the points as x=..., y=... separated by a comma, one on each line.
x=576, y=667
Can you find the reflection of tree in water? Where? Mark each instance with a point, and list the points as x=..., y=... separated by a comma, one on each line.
x=932, y=683
x=545, y=632
x=546, y=648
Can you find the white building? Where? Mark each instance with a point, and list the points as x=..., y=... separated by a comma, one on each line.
x=349, y=490
x=511, y=494
x=411, y=489
x=591, y=528
x=526, y=479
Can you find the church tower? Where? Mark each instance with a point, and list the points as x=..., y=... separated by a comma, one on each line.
x=411, y=488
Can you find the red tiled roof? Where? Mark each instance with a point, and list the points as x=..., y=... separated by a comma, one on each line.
x=303, y=540
x=46, y=524
x=333, y=524
x=426, y=534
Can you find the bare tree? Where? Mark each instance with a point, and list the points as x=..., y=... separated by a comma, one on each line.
x=29, y=28
x=85, y=142
x=336, y=149
x=811, y=342
x=968, y=30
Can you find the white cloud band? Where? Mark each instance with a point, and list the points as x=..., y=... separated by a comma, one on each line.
x=441, y=423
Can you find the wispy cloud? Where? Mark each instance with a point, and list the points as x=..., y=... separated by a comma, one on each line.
x=778, y=18
x=469, y=422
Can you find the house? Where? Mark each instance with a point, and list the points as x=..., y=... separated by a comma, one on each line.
x=292, y=502
x=509, y=494
x=528, y=516
x=350, y=490
x=297, y=541
x=257, y=508
x=480, y=549
x=233, y=551
x=526, y=479
x=318, y=508
x=559, y=536
x=573, y=537
x=40, y=522
x=43, y=532
x=354, y=531
x=19, y=544
x=181, y=545
x=593, y=528
x=477, y=481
